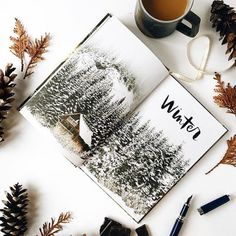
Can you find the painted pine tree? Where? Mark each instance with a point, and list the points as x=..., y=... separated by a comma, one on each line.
x=104, y=119
x=85, y=84
x=78, y=85
x=138, y=164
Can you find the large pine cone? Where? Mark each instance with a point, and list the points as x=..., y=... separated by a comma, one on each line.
x=223, y=18
x=13, y=221
x=6, y=93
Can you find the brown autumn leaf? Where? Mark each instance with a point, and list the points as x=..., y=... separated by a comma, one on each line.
x=230, y=155
x=35, y=50
x=226, y=97
x=20, y=42
x=53, y=227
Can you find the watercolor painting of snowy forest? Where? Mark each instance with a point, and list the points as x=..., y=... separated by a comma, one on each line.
x=91, y=84
x=132, y=160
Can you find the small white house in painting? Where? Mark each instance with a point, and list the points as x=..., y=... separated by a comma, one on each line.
x=75, y=125
x=85, y=132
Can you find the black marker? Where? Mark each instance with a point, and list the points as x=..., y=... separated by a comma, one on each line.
x=180, y=220
x=213, y=204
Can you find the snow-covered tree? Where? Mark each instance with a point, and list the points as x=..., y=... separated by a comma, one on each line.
x=138, y=163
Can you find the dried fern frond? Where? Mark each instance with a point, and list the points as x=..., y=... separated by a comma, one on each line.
x=23, y=44
x=230, y=155
x=20, y=43
x=35, y=51
x=53, y=227
x=226, y=97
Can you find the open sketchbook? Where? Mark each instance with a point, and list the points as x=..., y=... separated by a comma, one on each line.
x=121, y=117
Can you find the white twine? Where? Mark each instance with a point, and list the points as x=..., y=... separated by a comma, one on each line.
x=201, y=69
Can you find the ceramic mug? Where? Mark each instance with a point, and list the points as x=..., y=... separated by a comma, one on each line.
x=156, y=28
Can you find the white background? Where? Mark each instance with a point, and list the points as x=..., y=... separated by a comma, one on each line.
x=54, y=184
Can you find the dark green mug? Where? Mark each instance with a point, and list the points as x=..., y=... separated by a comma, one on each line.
x=156, y=28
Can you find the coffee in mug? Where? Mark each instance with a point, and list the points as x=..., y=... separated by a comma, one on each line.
x=160, y=18
x=165, y=9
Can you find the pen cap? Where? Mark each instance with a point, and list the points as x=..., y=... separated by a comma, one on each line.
x=213, y=204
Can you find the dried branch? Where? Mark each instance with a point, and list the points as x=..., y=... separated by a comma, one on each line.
x=23, y=44
x=50, y=229
x=35, y=51
x=226, y=97
x=20, y=43
x=230, y=155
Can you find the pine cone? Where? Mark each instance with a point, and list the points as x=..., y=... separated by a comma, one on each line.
x=13, y=220
x=6, y=93
x=223, y=18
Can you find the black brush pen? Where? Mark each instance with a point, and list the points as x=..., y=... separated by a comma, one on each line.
x=180, y=220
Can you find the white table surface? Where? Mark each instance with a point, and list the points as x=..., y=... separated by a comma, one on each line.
x=54, y=184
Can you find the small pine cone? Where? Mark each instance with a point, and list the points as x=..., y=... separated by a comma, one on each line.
x=6, y=93
x=223, y=18
x=231, y=47
x=13, y=221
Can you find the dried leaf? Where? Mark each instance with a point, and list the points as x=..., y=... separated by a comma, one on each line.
x=226, y=97
x=35, y=51
x=20, y=43
x=23, y=44
x=230, y=155
x=53, y=227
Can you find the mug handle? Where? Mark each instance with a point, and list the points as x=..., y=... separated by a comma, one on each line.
x=194, y=20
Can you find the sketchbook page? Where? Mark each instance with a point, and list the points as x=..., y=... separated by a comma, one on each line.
x=89, y=94
x=168, y=133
